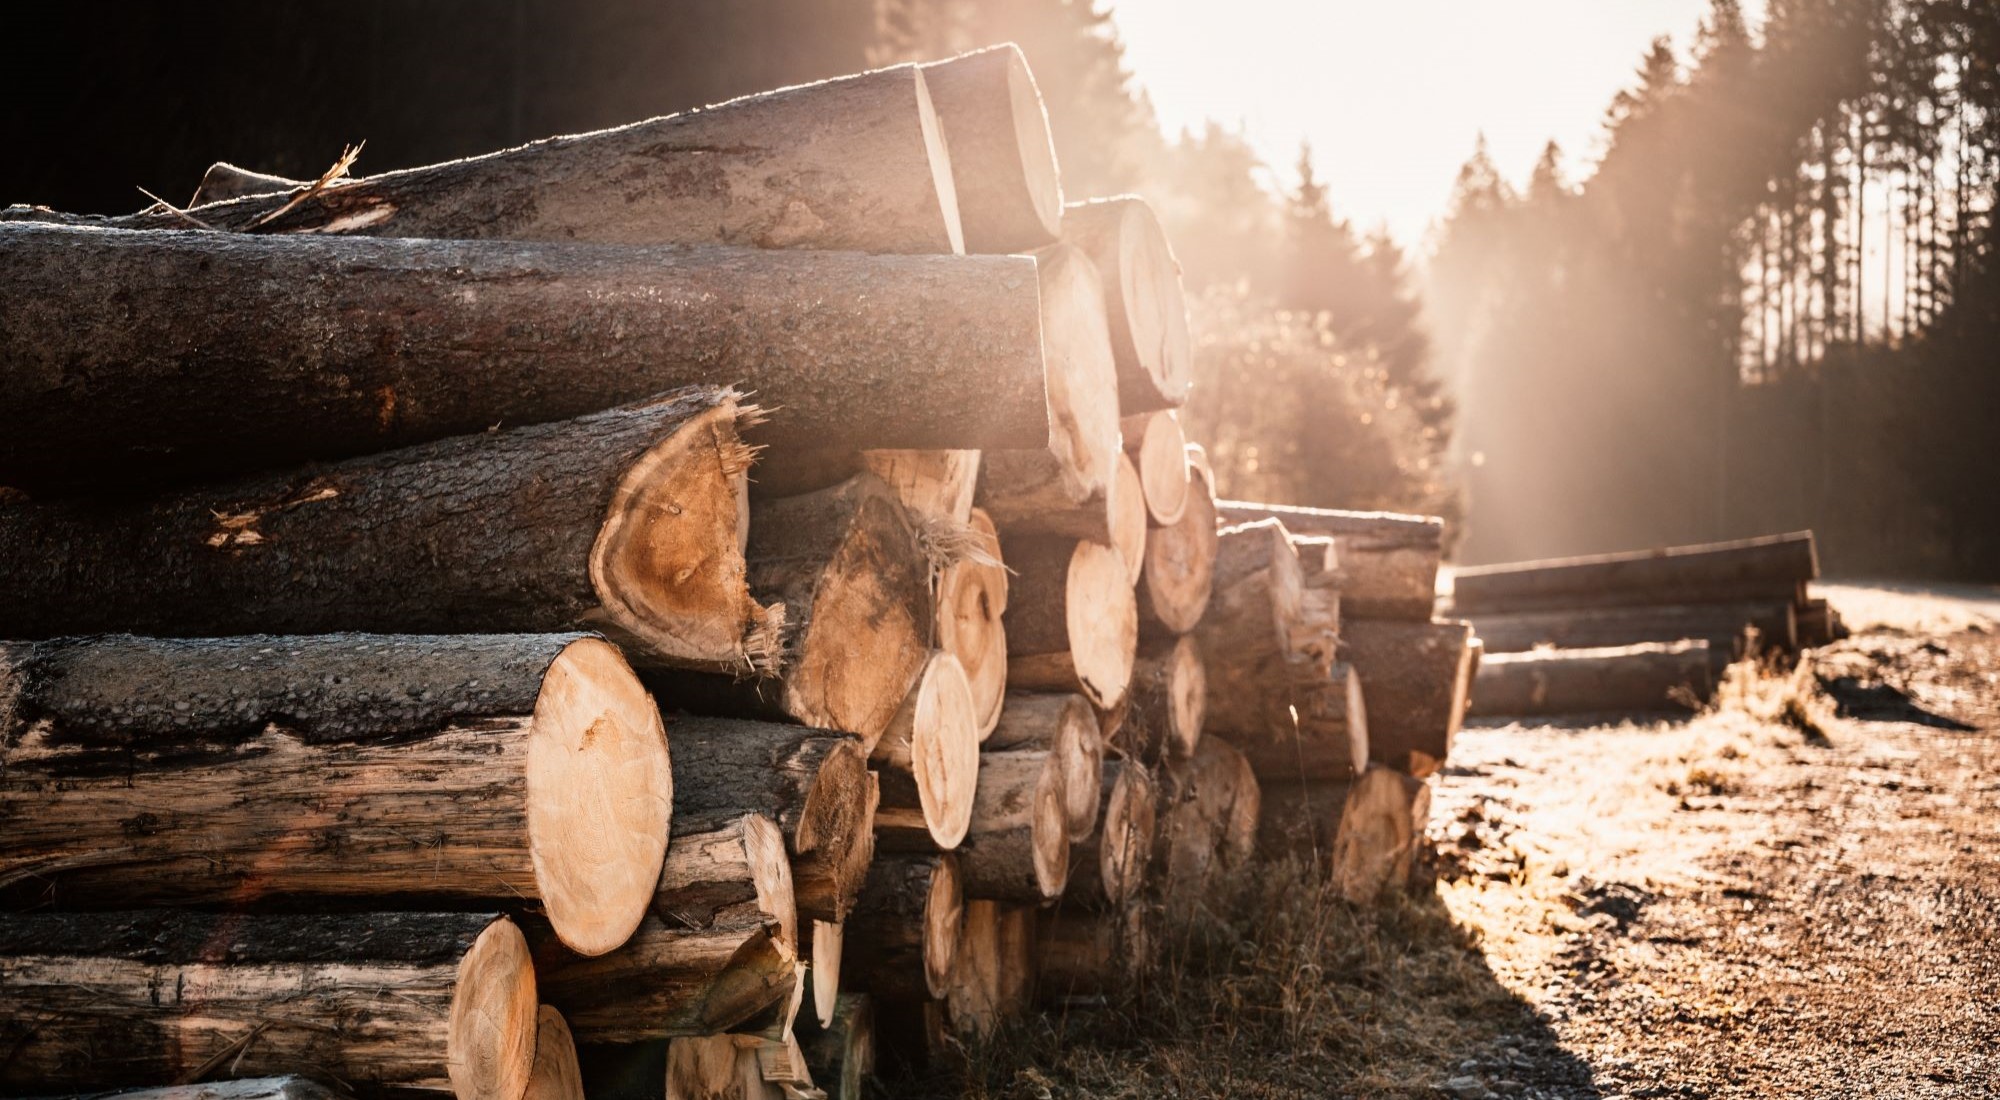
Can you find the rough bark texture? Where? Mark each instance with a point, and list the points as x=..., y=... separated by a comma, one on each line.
x=1030, y=492
x=1246, y=635
x=1003, y=159
x=1072, y=620
x=841, y=1055
x=902, y=938
x=1301, y=816
x=854, y=163
x=1143, y=299
x=1177, y=578
x=1108, y=868
x=1655, y=676
x=1066, y=727
x=380, y=1000
x=1721, y=625
x=1416, y=677
x=625, y=521
x=1771, y=568
x=1018, y=846
x=144, y=771
x=1388, y=562
x=314, y=349
x=1167, y=703
x=251, y=1088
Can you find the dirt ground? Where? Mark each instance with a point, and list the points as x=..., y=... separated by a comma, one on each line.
x=1797, y=894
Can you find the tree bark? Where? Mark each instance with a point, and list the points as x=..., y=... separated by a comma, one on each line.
x=841, y=1055
x=556, y=1075
x=146, y=771
x=1416, y=677
x=1143, y=299
x=253, y=1088
x=381, y=1000
x=1108, y=869
x=1178, y=575
x=928, y=762
x=1388, y=562
x=323, y=348
x=970, y=620
x=1168, y=701
x=1627, y=679
x=1721, y=625
x=1771, y=568
x=1018, y=847
x=627, y=521
x=1072, y=620
x=1208, y=818
x=1158, y=447
x=1302, y=816
x=1003, y=159
x=1064, y=726
x=903, y=936
x=854, y=164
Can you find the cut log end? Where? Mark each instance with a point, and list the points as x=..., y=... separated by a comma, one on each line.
x=834, y=838
x=600, y=796
x=1031, y=136
x=1160, y=447
x=827, y=941
x=934, y=738
x=1180, y=561
x=944, y=912
x=1081, y=378
x=490, y=1036
x=940, y=162
x=1131, y=822
x=1376, y=845
x=556, y=1074
x=1102, y=617
x=1128, y=518
x=1170, y=699
x=971, y=601
x=1066, y=727
x=1155, y=306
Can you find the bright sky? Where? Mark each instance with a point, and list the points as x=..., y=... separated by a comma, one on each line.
x=1393, y=93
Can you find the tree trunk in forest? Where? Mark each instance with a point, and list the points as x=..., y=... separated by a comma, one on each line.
x=556, y=1075
x=1108, y=869
x=903, y=935
x=382, y=1000
x=318, y=349
x=1167, y=703
x=1388, y=562
x=1771, y=568
x=1003, y=159
x=1158, y=448
x=628, y=521
x=1143, y=298
x=1072, y=620
x=841, y=1054
x=145, y=771
x=1676, y=676
x=1721, y=625
x=970, y=619
x=1415, y=677
x=1178, y=575
x=1207, y=820
x=1066, y=727
x=928, y=762
x=857, y=163
x=1018, y=847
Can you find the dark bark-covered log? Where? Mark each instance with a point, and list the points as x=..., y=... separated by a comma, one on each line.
x=902, y=938
x=1722, y=625
x=841, y=1054
x=1143, y=298
x=849, y=568
x=1108, y=868
x=1168, y=701
x=856, y=163
x=1314, y=723
x=1018, y=847
x=928, y=762
x=1246, y=633
x=1653, y=676
x=970, y=619
x=1091, y=955
x=813, y=783
x=313, y=349
x=224, y=181
x=556, y=1075
x=250, y=1088
x=1177, y=578
x=1003, y=159
x=148, y=771
x=1388, y=562
x=438, y=1001
x=1066, y=727
x=1158, y=447
x=1775, y=567
x=1072, y=620
x=627, y=521
x=995, y=973
x=717, y=950
x=1208, y=820
x=1415, y=677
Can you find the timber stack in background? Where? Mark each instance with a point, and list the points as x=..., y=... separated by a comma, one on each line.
x=1638, y=632
x=567, y=621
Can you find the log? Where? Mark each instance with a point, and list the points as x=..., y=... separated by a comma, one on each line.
x=1819, y=624
x=1643, y=678
x=1023, y=495
x=462, y=535
x=285, y=1087
x=856, y=163
x=849, y=568
x=1388, y=562
x=823, y=959
x=1168, y=701
x=1066, y=727
x=1416, y=677
x=1775, y=567
x=928, y=762
x=1108, y=868
x=1159, y=448
x=1314, y=723
x=1128, y=519
x=717, y=949
x=1246, y=634
x=841, y=1054
x=235, y=771
x=903, y=935
x=1721, y=625
x=1380, y=831
x=1207, y=821
x=556, y=1075
x=1143, y=298
x=380, y=1000
x=1018, y=847
x=971, y=606
x=928, y=483
x=318, y=349
x=995, y=970
x=1301, y=817
x=1072, y=621
x=1177, y=578
x=813, y=783
x=736, y=1067
x=224, y=181
x=1003, y=159
x=1090, y=956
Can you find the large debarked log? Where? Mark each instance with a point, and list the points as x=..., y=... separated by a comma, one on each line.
x=627, y=521
x=1072, y=621
x=856, y=163
x=144, y=771
x=1776, y=567
x=321, y=348
x=1722, y=625
x=439, y=1001
x=1623, y=679
x=1416, y=678
x=1388, y=562
x=1003, y=158
x=1143, y=298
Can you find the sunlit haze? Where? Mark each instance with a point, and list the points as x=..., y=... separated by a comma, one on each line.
x=1394, y=93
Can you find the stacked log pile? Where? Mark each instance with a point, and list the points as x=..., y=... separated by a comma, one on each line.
x=1638, y=632
x=654, y=611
